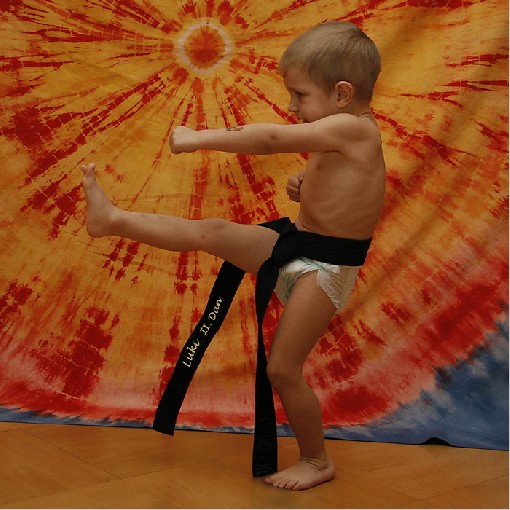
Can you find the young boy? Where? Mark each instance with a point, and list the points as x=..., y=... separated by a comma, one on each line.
x=330, y=72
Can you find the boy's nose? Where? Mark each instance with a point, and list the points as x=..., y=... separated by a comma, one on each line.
x=292, y=107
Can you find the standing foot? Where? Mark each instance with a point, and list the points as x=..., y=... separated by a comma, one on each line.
x=305, y=474
x=101, y=213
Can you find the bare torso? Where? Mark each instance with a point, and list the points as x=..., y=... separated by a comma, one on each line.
x=342, y=193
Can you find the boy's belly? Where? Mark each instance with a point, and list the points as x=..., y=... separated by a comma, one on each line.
x=335, y=224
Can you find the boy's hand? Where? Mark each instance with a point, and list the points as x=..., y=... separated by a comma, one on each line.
x=183, y=139
x=294, y=186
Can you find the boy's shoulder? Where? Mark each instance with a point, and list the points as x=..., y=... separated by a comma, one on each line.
x=349, y=119
x=351, y=127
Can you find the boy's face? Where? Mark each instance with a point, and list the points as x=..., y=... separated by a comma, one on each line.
x=307, y=100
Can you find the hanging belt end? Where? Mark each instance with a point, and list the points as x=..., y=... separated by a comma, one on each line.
x=263, y=469
x=163, y=426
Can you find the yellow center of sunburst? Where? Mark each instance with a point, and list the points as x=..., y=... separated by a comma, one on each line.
x=203, y=46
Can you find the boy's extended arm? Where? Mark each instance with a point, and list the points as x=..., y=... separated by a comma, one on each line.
x=248, y=139
x=326, y=134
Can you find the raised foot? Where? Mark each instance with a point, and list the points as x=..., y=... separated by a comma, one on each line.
x=305, y=474
x=101, y=212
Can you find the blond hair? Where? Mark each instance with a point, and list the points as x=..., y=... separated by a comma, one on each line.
x=335, y=51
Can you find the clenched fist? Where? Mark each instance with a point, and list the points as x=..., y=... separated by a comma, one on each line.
x=183, y=139
x=294, y=186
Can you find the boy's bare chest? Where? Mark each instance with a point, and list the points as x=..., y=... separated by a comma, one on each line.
x=326, y=170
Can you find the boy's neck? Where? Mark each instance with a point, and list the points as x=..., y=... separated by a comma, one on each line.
x=358, y=108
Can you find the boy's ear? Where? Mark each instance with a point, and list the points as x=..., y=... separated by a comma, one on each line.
x=344, y=93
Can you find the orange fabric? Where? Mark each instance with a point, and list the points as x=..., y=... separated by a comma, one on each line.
x=93, y=327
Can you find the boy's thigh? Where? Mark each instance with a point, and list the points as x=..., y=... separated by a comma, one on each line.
x=305, y=318
x=245, y=246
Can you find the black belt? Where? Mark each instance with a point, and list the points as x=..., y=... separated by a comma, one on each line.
x=290, y=244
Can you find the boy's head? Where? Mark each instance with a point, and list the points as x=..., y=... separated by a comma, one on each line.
x=333, y=52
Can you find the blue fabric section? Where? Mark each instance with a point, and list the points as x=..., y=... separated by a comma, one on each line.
x=469, y=406
x=18, y=415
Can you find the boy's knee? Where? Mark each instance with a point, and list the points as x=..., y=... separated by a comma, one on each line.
x=280, y=375
x=211, y=229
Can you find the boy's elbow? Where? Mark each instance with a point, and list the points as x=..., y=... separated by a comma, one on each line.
x=268, y=140
x=271, y=145
x=262, y=147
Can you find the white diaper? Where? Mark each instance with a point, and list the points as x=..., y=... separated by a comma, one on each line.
x=336, y=281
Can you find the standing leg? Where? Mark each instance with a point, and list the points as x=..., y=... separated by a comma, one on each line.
x=245, y=246
x=304, y=320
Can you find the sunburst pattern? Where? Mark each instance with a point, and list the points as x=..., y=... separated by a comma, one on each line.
x=92, y=328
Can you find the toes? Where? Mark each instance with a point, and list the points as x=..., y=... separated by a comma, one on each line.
x=301, y=486
x=273, y=480
x=301, y=476
x=292, y=484
x=87, y=169
x=284, y=483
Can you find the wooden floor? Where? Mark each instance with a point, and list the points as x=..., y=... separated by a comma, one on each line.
x=63, y=466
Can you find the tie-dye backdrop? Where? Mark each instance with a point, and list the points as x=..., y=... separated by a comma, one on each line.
x=90, y=329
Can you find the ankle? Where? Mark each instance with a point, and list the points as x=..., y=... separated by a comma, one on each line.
x=115, y=222
x=319, y=462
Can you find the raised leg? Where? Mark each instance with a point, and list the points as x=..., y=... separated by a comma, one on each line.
x=245, y=246
x=306, y=316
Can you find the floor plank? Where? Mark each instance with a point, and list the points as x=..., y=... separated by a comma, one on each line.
x=128, y=452
x=422, y=471
x=31, y=468
x=116, y=494
x=65, y=466
x=488, y=494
